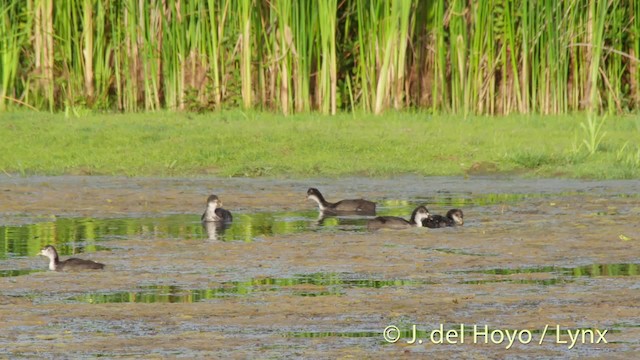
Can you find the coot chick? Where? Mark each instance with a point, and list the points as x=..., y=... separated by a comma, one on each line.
x=417, y=216
x=454, y=217
x=70, y=264
x=352, y=206
x=215, y=212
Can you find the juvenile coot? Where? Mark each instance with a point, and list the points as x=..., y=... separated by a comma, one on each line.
x=454, y=217
x=355, y=206
x=417, y=216
x=70, y=264
x=215, y=212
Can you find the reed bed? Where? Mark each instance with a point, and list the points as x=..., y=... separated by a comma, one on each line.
x=457, y=56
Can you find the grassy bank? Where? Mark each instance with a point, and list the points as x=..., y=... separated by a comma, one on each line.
x=236, y=144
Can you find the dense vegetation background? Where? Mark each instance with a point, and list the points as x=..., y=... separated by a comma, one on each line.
x=458, y=56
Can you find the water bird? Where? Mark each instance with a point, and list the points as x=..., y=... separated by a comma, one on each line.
x=215, y=212
x=454, y=217
x=70, y=264
x=417, y=216
x=353, y=206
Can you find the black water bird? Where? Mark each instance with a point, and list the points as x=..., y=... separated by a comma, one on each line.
x=70, y=264
x=215, y=212
x=454, y=217
x=350, y=206
x=417, y=216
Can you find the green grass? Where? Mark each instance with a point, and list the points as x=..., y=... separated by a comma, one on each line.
x=265, y=144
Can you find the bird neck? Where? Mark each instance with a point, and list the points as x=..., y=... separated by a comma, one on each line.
x=210, y=212
x=212, y=206
x=322, y=203
x=53, y=262
x=416, y=218
x=211, y=209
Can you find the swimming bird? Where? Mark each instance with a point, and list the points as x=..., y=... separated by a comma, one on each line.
x=454, y=217
x=215, y=212
x=70, y=264
x=417, y=216
x=353, y=206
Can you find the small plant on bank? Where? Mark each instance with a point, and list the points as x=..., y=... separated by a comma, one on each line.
x=629, y=156
x=593, y=134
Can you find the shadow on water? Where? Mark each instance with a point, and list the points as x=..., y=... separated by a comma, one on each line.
x=465, y=199
x=77, y=235
x=9, y=273
x=73, y=236
x=566, y=274
x=319, y=284
x=460, y=252
x=543, y=282
x=592, y=270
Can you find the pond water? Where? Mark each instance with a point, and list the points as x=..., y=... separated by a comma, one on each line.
x=294, y=284
x=323, y=284
x=78, y=235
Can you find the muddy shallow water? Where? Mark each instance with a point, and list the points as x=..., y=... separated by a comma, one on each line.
x=280, y=283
